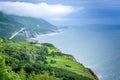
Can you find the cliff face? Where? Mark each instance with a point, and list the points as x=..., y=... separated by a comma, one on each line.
x=93, y=74
x=90, y=70
x=41, y=59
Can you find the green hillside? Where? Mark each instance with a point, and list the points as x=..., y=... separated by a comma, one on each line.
x=30, y=61
x=8, y=25
x=35, y=24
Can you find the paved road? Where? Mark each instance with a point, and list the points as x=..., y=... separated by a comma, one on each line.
x=17, y=33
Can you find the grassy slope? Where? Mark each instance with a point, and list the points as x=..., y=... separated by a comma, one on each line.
x=67, y=62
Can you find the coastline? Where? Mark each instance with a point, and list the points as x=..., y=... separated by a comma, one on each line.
x=34, y=40
x=48, y=34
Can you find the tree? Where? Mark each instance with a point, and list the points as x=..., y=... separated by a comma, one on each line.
x=22, y=75
x=5, y=72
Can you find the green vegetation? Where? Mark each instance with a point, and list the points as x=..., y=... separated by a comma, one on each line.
x=9, y=24
x=30, y=61
x=35, y=25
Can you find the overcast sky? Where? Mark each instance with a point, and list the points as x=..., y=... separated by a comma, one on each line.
x=67, y=12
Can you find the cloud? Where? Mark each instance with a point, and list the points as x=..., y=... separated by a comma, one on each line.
x=39, y=10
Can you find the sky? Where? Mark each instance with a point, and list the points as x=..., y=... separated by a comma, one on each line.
x=66, y=12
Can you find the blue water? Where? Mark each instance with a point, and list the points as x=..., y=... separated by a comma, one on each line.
x=95, y=46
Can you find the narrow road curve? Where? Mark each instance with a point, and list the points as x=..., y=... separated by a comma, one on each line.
x=17, y=33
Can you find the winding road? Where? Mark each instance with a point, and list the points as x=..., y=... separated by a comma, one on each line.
x=17, y=33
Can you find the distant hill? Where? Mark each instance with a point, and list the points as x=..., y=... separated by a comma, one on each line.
x=9, y=24
x=35, y=25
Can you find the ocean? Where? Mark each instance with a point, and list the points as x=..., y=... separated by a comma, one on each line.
x=95, y=46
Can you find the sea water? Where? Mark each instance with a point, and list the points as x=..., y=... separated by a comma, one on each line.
x=95, y=46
